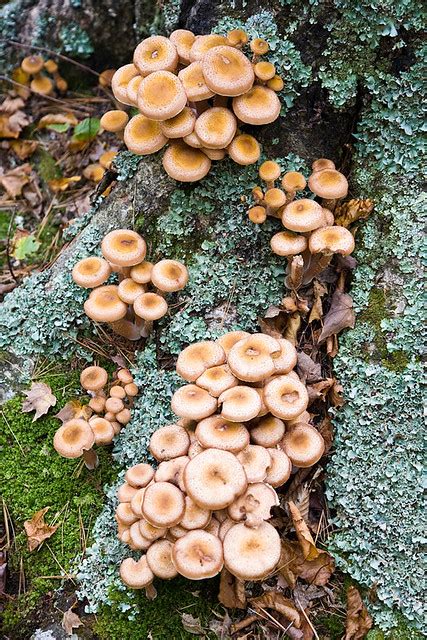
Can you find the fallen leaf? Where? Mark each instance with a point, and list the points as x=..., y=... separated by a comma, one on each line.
x=340, y=315
x=24, y=245
x=277, y=601
x=326, y=430
x=192, y=625
x=304, y=536
x=319, y=390
x=352, y=210
x=292, y=328
x=57, y=118
x=293, y=565
x=61, y=184
x=23, y=148
x=231, y=591
x=308, y=370
x=74, y=409
x=39, y=399
x=14, y=124
x=37, y=530
x=87, y=129
x=335, y=394
x=70, y=621
x=358, y=621
x=319, y=290
x=14, y=180
x=11, y=105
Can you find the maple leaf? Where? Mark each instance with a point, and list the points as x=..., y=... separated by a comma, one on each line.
x=358, y=621
x=37, y=530
x=70, y=621
x=24, y=244
x=74, y=409
x=340, y=315
x=15, y=180
x=39, y=399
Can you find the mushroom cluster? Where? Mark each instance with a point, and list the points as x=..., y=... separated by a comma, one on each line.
x=243, y=425
x=311, y=236
x=35, y=69
x=108, y=410
x=193, y=92
x=129, y=307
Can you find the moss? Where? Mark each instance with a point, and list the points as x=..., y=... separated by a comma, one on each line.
x=46, y=165
x=329, y=626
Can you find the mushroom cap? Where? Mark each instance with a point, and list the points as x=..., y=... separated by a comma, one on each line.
x=143, y=136
x=214, y=154
x=259, y=46
x=192, y=402
x=285, y=243
x=228, y=340
x=275, y=198
x=172, y=471
x=244, y=149
x=194, y=83
x=227, y=71
x=124, y=513
x=322, y=163
x=214, y=478
x=114, y=405
x=303, y=445
x=217, y=379
x=280, y=468
x=216, y=127
x=293, y=181
x=197, y=357
x=255, y=460
x=193, y=141
x=42, y=84
x=334, y=239
x=202, y=44
x=163, y=504
x=183, y=41
x=198, y=555
x=102, y=430
x=139, y=475
x=155, y=53
x=276, y=83
x=268, y=432
x=285, y=397
x=129, y=290
x=180, y=125
x=32, y=64
x=94, y=172
x=169, y=275
x=150, y=532
x=194, y=449
x=329, y=184
x=132, y=89
x=150, y=306
x=269, y=171
x=74, y=437
x=195, y=517
x=184, y=163
x=251, y=554
x=93, y=378
x=123, y=416
x=159, y=559
x=141, y=272
x=240, y=404
x=251, y=358
x=217, y=433
x=302, y=215
x=161, y=96
x=120, y=81
x=265, y=70
x=260, y=105
x=169, y=442
x=237, y=37
x=136, y=502
x=136, y=574
x=328, y=217
x=125, y=492
x=114, y=120
x=106, y=159
x=287, y=359
x=104, y=304
x=136, y=539
x=123, y=247
x=254, y=505
x=125, y=376
x=263, y=411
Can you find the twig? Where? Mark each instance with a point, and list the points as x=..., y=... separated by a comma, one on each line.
x=306, y=617
x=238, y=626
x=57, y=100
x=54, y=54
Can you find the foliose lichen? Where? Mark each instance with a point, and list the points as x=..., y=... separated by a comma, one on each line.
x=76, y=41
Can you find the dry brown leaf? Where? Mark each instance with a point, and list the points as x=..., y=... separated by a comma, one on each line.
x=231, y=591
x=319, y=290
x=340, y=315
x=349, y=212
x=70, y=621
x=11, y=105
x=61, y=184
x=23, y=148
x=319, y=390
x=308, y=370
x=304, y=536
x=37, y=530
x=39, y=399
x=358, y=621
x=277, y=601
x=293, y=565
x=14, y=180
x=292, y=328
x=192, y=625
x=74, y=409
x=335, y=394
x=326, y=430
x=12, y=125
x=57, y=118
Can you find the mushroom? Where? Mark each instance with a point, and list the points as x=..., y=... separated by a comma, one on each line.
x=227, y=71
x=217, y=379
x=129, y=290
x=192, y=140
x=275, y=84
x=194, y=449
x=192, y=402
x=214, y=154
x=198, y=555
x=32, y=65
x=259, y=105
x=156, y=53
x=94, y=172
x=259, y=46
x=202, y=44
x=225, y=526
x=194, y=83
x=143, y=136
x=274, y=199
x=329, y=240
x=97, y=404
x=169, y=275
x=287, y=359
x=123, y=416
x=159, y=559
x=123, y=247
x=268, y=431
x=41, y=84
x=169, y=442
x=195, y=517
x=244, y=149
x=136, y=539
x=114, y=120
x=292, y=182
x=106, y=159
x=132, y=89
x=269, y=171
x=322, y=163
x=136, y=502
x=254, y=505
x=139, y=475
x=286, y=243
x=141, y=272
x=163, y=504
x=184, y=163
x=131, y=390
x=150, y=532
x=228, y=340
x=125, y=514
x=183, y=41
x=172, y=471
x=150, y=306
x=125, y=492
x=102, y=430
x=237, y=38
x=217, y=433
x=161, y=95
x=213, y=527
x=93, y=378
x=285, y=397
x=104, y=304
x=255, y=460
x=257, y=214
x=216, y=127
x=251, y=359
x=197, y=357
x=251, y=554
x=280, y=468
x=303, y=445
x=125, y=376
x=264, y=70
x=240, y=404
x=120, y=81
x=136, y=574
x=180, y=125
x=302, y=215
x=114, y=405
x=328, y=217
x=73, y=438
x=328, y=184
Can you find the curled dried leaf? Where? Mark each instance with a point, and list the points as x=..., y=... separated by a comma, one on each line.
x=358, y=620
x=37, y=530
x=304, y=536
x=277, y=601
x=231, y=591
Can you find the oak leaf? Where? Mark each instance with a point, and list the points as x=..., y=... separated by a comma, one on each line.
x=37, y=530
x=277, y=601
x=70, y=621
x=304, y=536
x=340, y=315
x=23, y=148
x=358, y=621
x=231, y=591
x=39, y=399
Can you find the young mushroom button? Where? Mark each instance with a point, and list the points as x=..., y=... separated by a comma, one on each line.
x=159, y=559
x=93, y=378
x=303, y=445
x=163, y=504
x=285, y=243
x=104, y=304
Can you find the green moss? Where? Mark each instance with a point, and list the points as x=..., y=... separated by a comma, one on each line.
x=46, y=166
x=329, y=626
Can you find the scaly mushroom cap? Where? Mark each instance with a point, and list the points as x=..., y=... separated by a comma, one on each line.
x=217, y=433
x=264, y=70
x=42, y=85
x=302, y=215
x=132, y=89
x=259, y=105
x=104, y=304
x=334, y=239
x=322, y=163
x=254, y=505
x=216, y=127
x=155, y=53
x=285, y=243
x=217, y=379
x=280, y=468
x=141, y=272
x=159, y=559
x=169, y=275
x=257, y=214
x=150, y=306
x=169, y=442
x=91, y=272
x=228, y=340
x=214, y=478
x=275, y=198
x=244, y=149
x=184, y=163
x=287, y=359
x=74, y=437
x=124, y=513
x=32, y=64
x=143, y=136
x=150, y=532
x=227, y=71
x=125, y=376
x=194, y=517
x=136, y=502
x=172, y=471
x=183, y=41
x=161, y=96
x=269, y=171
x=329, y=184
x=263, y=411
x=93, y=378
x=120, y=81
x=251, y=359
x=255, y=460
x=139, y=475
x=114, y=120
x=123, y=247
x=192, y=402
x=293, y=181
x=285, y=397
x=198, y=555
x=102, y=430
x=114, y=405
x=197, y=357
x=194, y=83
x=268, y=432
x=180, y=125
x=237, y=38
x=251, y=554
x=136, y=574
x=202, y=44
x=303, y=445
x=240, y=404
x=163, y=504
x=129, y=290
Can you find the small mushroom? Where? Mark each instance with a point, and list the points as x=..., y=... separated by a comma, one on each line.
x=251, y=554
x=183, y=39
x=125, y=492
x=169, y=442
x=93, y=378
x=143, y=136
x=292, y=182
x=192, y=402
x=285, y=397
x=237, y=38
x=150, y=532
x=217, y=433
x=102, y=430
x=159, y=559
x=195, y=517
x=286, y=243
x=217, y=379
x=269, y=171
x=141, y=273
x=254, y=505
x=280, y=468
x=198, y=555
x=172, y=471
x=163, y=504
x=330, y=240
x=120, y=81
x=139, y=475
x=104, y=304
x=153, y=54
x=216, y=127
x=255, y=460
x=73, y=438
x=251, y=359
x=184, y=163
x=303, y=445
x=161, y=96
x=257, y=214
x=260, y=105
x=264, y=70
x=287, y=359
x=227, y=71
x=114, y=120
x=123, y=247
x=136, y=574
x=244, y=149
x=169, y=275
x=228, y=340
x=180, y=125
x=328, y=184
x=240, y=404
x=322, y=163
x=268, y=431
x=193, y=361
x=129, y=290
x=194, y=83
x=302, y=215
x=202, y=44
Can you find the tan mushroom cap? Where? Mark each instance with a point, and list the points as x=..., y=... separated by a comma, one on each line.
x=285, y=243
x=240, y=404
x=91, y=272
x=102, y=430
x=141, y=272
x=123, y=416
x=195, y=517
x=329, y=184
x=180, y=125
x=139, y=475
x=129, y=290
x=159, y=559
x=176, y=532
x=169, y=275
x=237, y=37
x=123, y=247
x=104, y=304
x=106, y=159
x=169, y=442
x=172, y=471
x=227, y=71
x=259, y=46
x=214, y=478
x=269, y=171
x=255, y=460
x=114, y=120
x=328, y=217
x=304, y=445
x=136, y=502
x=217, y=379
x=280, y=468
x=251, y=358
x=254, y=505
x=275, y=198
x=114, y=405
x=216, y=127
x=244, y=149
x=127, y=329
x=228, y=340
x=268, y=432
x=198, y=555
x=194, y=83
x=322, y=163
x=120, y=81
x=197, y=357
x=143, y=136
x=293, y=181
x=32, y=64
x=202, y=44
x=155, y=53
x=150, y=532
x=183, y=39
x=93, y=378
x=225, y=526
x=260, y=105
x=125, y=492
x=214, y=154
x=42, y=84
x=263, y=411
x=251, y=554
x=150, y=306
x=163, y=504
x=184, y=163
x=124, y=513
x=136, y=539
x=287, y=359
x=334, y=239
x=276, y=84
x=74, y=437
x=161, y=96
x=264, y=70
x=302, y=215
x=285, y=397
x=125, y=376
x=213, y=527
x=97, y=404
x=132, y=89
x=194, y=450
x=192, y=402
x=136, y=574
x=217, y=433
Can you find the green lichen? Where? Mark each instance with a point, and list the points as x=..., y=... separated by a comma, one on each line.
x=75, y=41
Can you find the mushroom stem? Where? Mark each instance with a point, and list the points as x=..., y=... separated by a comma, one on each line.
x=150, y=591
x=290, y=195
x=296, y=272
x=220, y=101
x=145, y=327
x=329, y=204
x=90, y=459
